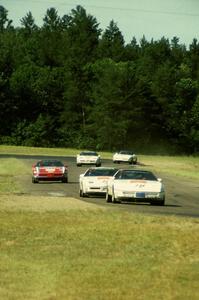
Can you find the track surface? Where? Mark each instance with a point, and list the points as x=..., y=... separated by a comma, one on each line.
x=182, y=195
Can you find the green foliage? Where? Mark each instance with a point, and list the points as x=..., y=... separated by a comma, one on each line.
x=112, y=43
x=66, y=84
x=5, y=23
x=28, y=23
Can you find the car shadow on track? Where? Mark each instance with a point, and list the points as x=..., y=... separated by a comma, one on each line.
x=56, y=182
x=141, y=204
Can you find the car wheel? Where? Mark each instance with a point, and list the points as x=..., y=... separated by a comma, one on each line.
x=134, y=162
x=34, y=180
x=160, y=202
x=130, y=162
x=79, y=165
x=65, y=180
x=113, y=200
x=82, y=194
x=108, y=198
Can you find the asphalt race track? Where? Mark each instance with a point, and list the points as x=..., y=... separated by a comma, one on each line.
x=182, y=195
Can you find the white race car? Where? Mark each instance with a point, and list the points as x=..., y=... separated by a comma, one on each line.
x=94, y=181
x=125, y=156
x=135, y=185
x=88, y=158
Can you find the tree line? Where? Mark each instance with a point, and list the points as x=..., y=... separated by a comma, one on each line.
x=67, y=83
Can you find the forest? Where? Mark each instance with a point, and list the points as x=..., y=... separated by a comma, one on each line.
x=67, y=83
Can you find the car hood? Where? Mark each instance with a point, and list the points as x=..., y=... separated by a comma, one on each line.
x=87, y=157
x=138, y=185
x=94, y=179
x=123, y=156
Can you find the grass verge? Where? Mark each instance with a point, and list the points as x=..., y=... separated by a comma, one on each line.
x=92, y=253
x=183, y=166
x=9, y=168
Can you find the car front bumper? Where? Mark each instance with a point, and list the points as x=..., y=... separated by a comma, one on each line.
x=89, y=190
x=140, y=196
x=51, y=177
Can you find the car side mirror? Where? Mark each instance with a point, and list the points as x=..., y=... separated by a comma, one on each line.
x=160, y=179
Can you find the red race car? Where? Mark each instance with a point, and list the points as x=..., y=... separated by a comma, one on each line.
x=49, y=169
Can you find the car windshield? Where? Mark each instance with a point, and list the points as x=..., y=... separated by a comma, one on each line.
x=126, y=152
x=100, y=172
x=89, y=153
x=136, y=175
x=50, y=163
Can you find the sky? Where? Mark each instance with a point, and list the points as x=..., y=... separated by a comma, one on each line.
x=135, y=18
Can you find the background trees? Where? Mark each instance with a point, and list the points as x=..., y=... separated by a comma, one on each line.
x=67, y=83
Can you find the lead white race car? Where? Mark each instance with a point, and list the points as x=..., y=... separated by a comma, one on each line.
x=88, y=158
x=125, y=156
x=135, y=185
x=94, y=181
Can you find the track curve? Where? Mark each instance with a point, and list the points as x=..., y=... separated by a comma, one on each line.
x=182, y=195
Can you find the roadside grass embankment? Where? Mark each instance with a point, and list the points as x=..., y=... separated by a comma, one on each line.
x=92, y=253
x=182, y=166
x=64, y=248
x=9, y=169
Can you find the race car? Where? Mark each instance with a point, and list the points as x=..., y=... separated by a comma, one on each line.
x=135, y=185
x=94, y=181
x=125, y=156
x=88, y=158
x=49, y=169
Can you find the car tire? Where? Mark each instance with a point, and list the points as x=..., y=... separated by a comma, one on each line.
x=65, y=180
x=81, y=194
x=79, y=165
x=108, y=198
x=113, y=200
x=159, y=203
x=34, y=180
x=98, y=165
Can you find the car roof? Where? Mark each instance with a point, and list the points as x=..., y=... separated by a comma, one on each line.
x=101, y=171
x=136, y=174
x=136, y=170
x=50, y=162
x=88, y=152
x=103, y=168
x=126, y=151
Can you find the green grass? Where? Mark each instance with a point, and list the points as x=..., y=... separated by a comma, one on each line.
x=62, y=248
x=97, y=254
x=4, y=149
x=184, y=166
x=9, y=168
